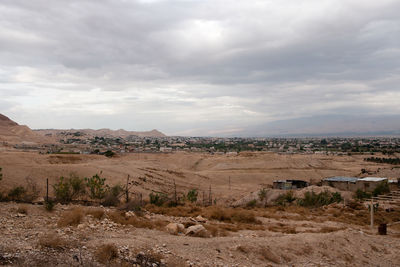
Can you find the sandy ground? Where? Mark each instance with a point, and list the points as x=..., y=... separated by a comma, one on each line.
x=343, y=245
x=229, y=176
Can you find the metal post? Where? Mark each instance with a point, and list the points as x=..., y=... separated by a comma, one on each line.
x=372, y=213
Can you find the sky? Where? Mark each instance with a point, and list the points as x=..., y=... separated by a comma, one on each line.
x=196, y=67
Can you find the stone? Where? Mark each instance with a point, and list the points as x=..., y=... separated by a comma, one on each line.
x=175, y=228
x=197, y=231
x=200, y=219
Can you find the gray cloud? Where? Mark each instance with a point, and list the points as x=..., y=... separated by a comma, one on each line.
x=198, y=67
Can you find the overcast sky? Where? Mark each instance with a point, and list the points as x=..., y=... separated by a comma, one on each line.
x=196, y=67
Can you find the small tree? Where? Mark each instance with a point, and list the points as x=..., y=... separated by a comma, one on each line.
x=262, y=194
x=192, y=195
x=96, y=186
x=62, y=190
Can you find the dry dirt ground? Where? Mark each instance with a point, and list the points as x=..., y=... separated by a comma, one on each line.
x=230, y=177
x=32, y=236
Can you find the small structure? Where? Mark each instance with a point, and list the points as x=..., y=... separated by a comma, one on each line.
x=368, y=184
x=341, y=182
x=289, y=184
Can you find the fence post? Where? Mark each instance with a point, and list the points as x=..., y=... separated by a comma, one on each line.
x=372, y=213
x=127, y=190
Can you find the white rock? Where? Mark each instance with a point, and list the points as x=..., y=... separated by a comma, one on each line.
x=200, y=219
x=197, y=230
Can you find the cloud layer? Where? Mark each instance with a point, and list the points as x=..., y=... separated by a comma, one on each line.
x=196, y=67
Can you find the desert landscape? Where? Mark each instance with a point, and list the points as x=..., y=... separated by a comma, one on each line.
x=185, y=208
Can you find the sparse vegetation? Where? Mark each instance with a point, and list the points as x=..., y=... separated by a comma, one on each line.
x=16, y=193
x=111, y=196
x=192, y=195
x=262, y=194
x=49, y=205
x=71, y=218
x=381, y=188
x=97, y=213
x=285, y=199
x=106, y=253
x=52, y=240
x=311, y=199
x=97, y=188
x=158, y=199
x=361, y=195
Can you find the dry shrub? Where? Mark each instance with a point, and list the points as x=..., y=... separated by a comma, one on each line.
x=268, y=255
x=231, y=215
x=106, y=253
x=52, y=240
x=138, y=222
x=97, y=213
x=178, y=211
x=71, y=218
x=328, y=229
x=22, y=209
x=282, y=228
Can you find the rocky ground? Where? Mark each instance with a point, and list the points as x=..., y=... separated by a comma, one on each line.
x=89, y=236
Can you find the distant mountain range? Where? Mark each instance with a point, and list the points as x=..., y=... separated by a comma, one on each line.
x=330, y=125
x=12, y=132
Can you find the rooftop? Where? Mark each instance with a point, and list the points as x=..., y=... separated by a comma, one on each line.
x=341, y=179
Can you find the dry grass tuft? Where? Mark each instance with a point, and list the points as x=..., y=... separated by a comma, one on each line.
x=52, y=240
x=71, y=218
x=283, y=228
x=139, y=222
x=106, y=253
x=23, y=209
x=97, y=213
x=179, y=211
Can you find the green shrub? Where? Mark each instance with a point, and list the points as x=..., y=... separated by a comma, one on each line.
x=286, y=198
x=192, y=195
x=77, y=186
x=311, y=199
x=49, y=205
x=360, y=194
x=1, y=174
x=62, y=190
x=158, y=199
x=109, y=154
x=112, y=195
x=262, y=194
x=17, y=193
x=381, y=188
x=251, y=203
x=97, y=188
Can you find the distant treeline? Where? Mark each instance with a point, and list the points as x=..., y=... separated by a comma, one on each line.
x=394, y=161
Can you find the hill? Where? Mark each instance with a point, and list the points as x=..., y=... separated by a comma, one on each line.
x=12, y=132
